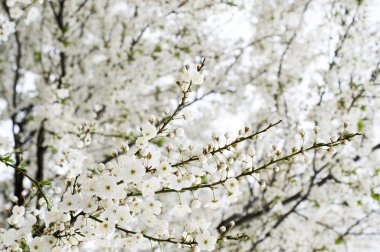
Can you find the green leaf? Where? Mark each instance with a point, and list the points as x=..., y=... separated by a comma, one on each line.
x=23, y=246
x=375, y=196
x=37, y=56
x=339, y=241
x=360, y=126
x=157, y=48
x=231, y=3
x=316, y=204
x=66, y=43
x=7, y=158
x=45, y=182
x=186, y=50
x=160, y=142
x=377, y=171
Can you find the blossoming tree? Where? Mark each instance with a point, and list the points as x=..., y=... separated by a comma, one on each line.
x=189, y=125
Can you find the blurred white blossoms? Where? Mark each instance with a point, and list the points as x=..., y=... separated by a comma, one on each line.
x=190, y=74
x=32, y=16
x=149, y=187
x=6, y=28
x=5, y=144
x=131, y=170
x=232, y=185
x=206, y=241
x=149, y=131
x=38, y=245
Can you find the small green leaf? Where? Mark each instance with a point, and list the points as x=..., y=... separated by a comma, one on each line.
x=360, y=126
x=316, y=204
x=186, y=50
x=231, y=3
x=339, y=241
x=375, y=196
x=66, y=43
x=160, y=142
x=45, y=182
x=23, y=246
x=157, y=48
x=377, y=171
x=37, y=56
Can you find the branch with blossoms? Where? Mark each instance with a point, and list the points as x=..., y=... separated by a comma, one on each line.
x=107, y=198
x=172, y=240
x=190, y=78
x=21, y=169
x=341, y=140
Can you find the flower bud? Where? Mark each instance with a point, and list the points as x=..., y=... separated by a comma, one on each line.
x=196, y=204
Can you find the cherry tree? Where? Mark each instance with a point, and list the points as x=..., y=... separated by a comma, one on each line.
x=189, y=125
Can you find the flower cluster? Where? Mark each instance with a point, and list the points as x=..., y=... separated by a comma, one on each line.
x=122, y=201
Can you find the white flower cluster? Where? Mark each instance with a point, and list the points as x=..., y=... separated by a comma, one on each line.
x=7, y=28
x=17, y=9
x=123, y=203
x=5, y=145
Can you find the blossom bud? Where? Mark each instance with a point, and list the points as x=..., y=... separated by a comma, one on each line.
x=171, y=135
x=124, y=147
x=169, y=147
x=242, y=157
x=196, y=204
x=41, y=201
x=152, y=119
x=80, y=144
x=214, y=135
x=316, y=129
x=24, y=193
x=114, y=153
x=222, y=229
x=57, y=190
x=276, y=169
x=179, y=132
x=8, y=206
x=100, y=167
x=262, y=184
x=251, y=151
x=214, y=178
x=14, y=199
x=166, y=110
x=231, y=224
x=144, y=152
x=198, y=180
x=302, y=133
x=109, y=166
x=203, y=159
x=332, y=150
